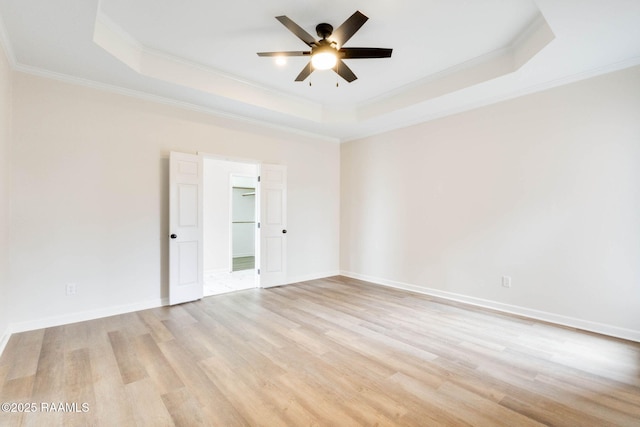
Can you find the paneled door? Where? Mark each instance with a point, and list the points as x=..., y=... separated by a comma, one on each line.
x=273, y=225
x=185, y=228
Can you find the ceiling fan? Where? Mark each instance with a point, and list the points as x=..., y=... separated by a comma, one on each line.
x=328, y=52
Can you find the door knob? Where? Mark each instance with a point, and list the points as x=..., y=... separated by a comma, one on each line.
x=284, y=231
x=173, y=236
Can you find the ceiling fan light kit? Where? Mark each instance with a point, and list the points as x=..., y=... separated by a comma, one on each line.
x=324, y=58
x=328, y=52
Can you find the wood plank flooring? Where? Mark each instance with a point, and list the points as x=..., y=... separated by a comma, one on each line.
x=331, y=352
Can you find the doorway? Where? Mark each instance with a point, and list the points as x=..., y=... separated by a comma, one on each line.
x=229, y=226
x=243, y=222
x=188, y=221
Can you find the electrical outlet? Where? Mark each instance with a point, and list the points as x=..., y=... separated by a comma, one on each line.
x=71, y=289
x=506, y=281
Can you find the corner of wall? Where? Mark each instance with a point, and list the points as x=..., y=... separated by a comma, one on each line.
x=5, y=177
x=4, y=340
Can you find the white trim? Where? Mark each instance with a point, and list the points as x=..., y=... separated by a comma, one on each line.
x=558, y=319
x=356, y=135
x=165, y=66
x=492, y=100
x=81, y=316
x=65, y=78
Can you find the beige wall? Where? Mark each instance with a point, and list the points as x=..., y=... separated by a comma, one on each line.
x=90, y=196
x=544, y=188
x=5, y=168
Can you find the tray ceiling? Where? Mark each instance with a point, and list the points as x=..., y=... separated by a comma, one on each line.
x=448, y=56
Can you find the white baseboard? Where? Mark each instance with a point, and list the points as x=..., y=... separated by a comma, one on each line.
x=587, y=325
x=47, y=322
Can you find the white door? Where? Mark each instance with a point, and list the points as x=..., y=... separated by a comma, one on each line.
x=185, y=228
x=272, y=262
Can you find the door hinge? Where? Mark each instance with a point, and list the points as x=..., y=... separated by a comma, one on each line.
x=258, y=178
x=258, y=271
x=258, y=225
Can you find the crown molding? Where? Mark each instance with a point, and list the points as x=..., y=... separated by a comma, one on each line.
x=173, y=69
x=363, y=120
x=573, y=78
x=65, y=78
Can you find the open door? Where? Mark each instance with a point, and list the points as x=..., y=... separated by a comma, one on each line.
x=185, y=228
x=272, y=262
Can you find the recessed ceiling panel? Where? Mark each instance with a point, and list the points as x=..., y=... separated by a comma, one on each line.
x=427, y=37
x=448, y=56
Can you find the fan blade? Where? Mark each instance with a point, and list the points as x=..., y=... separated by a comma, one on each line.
x=348, y=28
x=344, y=71
x=291, y=53
x=365, y=52
x=297, y=30
x=306, y=72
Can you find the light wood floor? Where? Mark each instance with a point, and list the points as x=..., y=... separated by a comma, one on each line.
x=332, y=352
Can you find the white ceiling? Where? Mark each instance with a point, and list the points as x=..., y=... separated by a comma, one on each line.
x=448, y=55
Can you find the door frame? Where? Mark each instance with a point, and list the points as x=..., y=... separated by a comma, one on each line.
x=271, y=192
x=257, y=163
x=256, y=214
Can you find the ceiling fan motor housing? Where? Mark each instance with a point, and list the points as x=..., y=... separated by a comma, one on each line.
x=324, y=30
